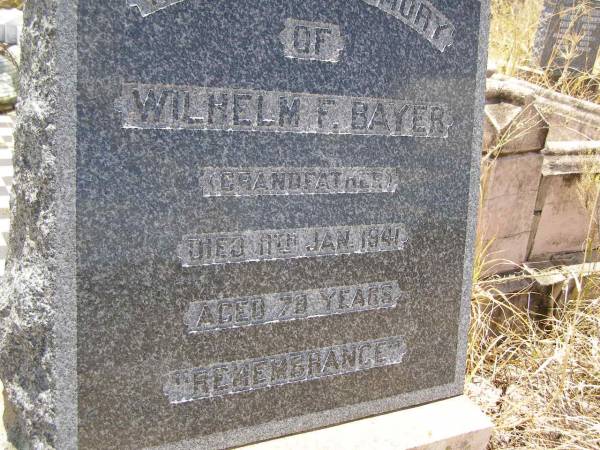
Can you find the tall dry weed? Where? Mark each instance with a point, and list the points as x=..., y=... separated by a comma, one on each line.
x=538, y=377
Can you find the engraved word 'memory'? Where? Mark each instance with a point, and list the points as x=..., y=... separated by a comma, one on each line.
x=250, y=375
x=272, y=308
x=312, y=40
x=267, y=245
x=422, y=17
x=252, y=182
x=148, y=7
x=200, y=108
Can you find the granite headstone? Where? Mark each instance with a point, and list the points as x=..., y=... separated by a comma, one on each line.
x=568, y=35
x=240, y=219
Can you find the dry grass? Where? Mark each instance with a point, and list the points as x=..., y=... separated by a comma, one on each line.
x=538, y=376
x=11, y=4
x=512, y=34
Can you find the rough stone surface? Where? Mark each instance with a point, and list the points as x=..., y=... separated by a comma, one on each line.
x=564, y=221
x=27, y=300
x=568, y=118
x=498, y=117
x=510, y=128
x=128, y=336
x=528, y=132
x=507, y=216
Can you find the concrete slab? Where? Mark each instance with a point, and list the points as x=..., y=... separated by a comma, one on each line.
x=456, y=423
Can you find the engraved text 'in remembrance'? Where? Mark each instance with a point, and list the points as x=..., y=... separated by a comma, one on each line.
x=237, y=377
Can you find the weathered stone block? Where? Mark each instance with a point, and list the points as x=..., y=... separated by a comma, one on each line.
x=564, y=221
x=510, y=128
x=498, y=117
x=510, y=191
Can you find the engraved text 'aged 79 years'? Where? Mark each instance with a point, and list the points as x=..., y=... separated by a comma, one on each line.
x=245, y=376
x=266, y=245
x=271, y=308
x=184, y=107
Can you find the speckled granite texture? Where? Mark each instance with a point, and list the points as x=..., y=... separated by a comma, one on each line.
x=27, y=300
x=151, y=305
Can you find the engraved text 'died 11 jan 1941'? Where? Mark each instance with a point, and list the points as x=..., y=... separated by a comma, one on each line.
x=268, y=245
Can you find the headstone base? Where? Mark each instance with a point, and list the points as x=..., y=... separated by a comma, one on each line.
x=456, y=423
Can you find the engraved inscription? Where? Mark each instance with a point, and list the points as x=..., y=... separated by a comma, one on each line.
x=199, y=108
x=312, y=40
x=422, y=17
x=148, y=7
x=282, y=307
x=252, y=182
x=268, y=245
x=568, y=35
x=577, y=26
x=237, y=377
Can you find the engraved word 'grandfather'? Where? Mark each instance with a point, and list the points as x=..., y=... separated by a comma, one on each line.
x=282, y=307
x=201, y=108
x=252, y=182
x=266, y=245
x=245, y=376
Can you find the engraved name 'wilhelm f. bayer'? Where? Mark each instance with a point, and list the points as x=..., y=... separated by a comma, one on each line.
x=249, y=375
x=266, y=245
x=230, y=313
x=173, y=107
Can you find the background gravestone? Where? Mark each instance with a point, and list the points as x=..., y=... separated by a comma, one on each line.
x=238, y=220
x=568, y=27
